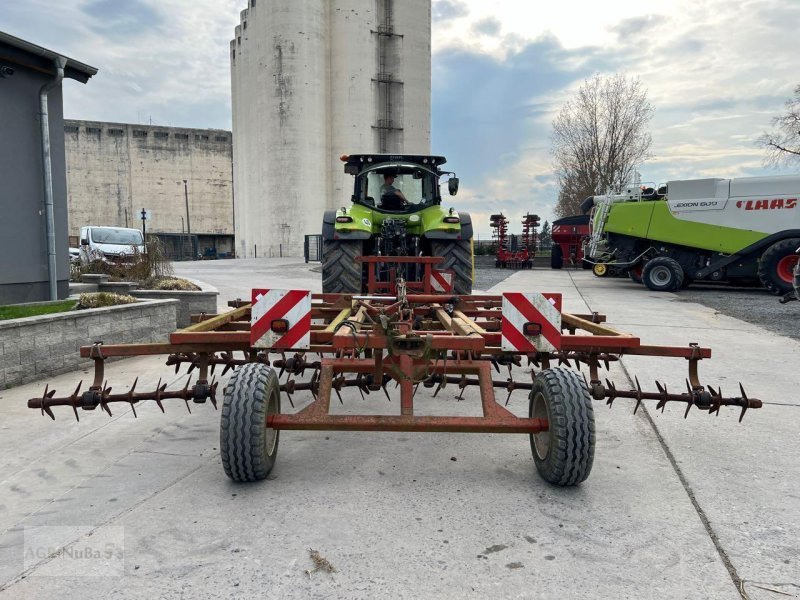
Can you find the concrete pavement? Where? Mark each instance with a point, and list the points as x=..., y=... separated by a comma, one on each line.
x=672, y=509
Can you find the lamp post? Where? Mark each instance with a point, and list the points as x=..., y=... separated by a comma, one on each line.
x=188, y=222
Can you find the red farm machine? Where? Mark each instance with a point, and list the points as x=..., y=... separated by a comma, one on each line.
x=387, y=340
x=512, y=251
x=568, y=235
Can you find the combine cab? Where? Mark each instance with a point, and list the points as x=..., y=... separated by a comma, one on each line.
x=396, y=211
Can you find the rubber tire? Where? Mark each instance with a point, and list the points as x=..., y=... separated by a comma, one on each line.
x=565, y=452
x=458, y=258
x=796, y=283
x=767, y=266
x=556, y=257
x=251, y=394
x=659, y=265
x=341, y=273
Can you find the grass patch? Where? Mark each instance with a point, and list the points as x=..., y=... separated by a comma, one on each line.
x=101, y=299
x=17, y=311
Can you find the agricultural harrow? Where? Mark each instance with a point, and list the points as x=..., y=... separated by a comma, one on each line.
x=515, y=252
x=286, y=342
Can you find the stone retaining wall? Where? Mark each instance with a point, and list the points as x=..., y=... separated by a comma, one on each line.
x=189, y=303
x=35, y=348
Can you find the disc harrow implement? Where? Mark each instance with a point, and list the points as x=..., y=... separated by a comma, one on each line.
x=284, y=343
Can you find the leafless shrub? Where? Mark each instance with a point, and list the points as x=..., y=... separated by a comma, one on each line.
x=783, y=142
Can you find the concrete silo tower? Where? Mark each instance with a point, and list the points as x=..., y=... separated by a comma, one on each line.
x=312, y=80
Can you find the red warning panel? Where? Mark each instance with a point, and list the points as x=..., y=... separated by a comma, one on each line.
x=531, y=322
x=280, y=319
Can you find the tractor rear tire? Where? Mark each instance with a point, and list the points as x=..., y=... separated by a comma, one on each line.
x=341, y=272
x=775, y=269
x=663, y=274
x=247, y=446
x=563, y=454
x=556, y=257
x=458, y=258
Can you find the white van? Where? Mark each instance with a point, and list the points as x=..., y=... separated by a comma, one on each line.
x=110, y=244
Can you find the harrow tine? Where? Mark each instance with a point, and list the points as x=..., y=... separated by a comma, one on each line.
x=662, y=403
x=48, y=393
x=212, y=393
x=690, y=403
x=130, y=398
x=612, y=394
x=74, y=400
x=186, y=393
x=745, y=404
x=157, y=398
x=103, y=395
x=638, y=395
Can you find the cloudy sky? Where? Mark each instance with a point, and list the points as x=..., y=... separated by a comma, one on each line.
x=715, y=72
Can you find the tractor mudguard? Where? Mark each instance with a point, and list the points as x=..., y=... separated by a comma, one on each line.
x=358, y=228
x=439, y=230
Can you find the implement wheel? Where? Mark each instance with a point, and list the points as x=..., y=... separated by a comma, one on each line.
x=564, y=453
x=600, y=270
x=247, y=446
x=341, y=273
x=458, y=257
x=556, y=257
x=775, y=269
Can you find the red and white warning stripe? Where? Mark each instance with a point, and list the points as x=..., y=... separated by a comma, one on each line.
x=528, y=313
x=442, y=281
x=280, y=319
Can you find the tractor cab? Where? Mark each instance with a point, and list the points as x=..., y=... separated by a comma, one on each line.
x=397, y=183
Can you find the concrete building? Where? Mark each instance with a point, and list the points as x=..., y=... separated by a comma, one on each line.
x=312, y=80
x=114, y=170
x=34, y=255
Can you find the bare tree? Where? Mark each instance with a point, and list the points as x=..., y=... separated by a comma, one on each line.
x=783, y=142
x=599, y=138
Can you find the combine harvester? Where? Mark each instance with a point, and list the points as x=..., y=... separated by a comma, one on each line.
x=392, y=334
x=738, y=230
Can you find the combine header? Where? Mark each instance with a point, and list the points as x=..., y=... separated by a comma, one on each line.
x=286, y=342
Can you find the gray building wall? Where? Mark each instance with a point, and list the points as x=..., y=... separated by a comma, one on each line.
x=23, y=243
x=116, y=169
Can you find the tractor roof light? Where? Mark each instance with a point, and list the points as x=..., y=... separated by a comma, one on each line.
x=344, y=219
x=451, y=219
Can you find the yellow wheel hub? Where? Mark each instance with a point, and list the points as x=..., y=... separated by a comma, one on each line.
x=600, y=270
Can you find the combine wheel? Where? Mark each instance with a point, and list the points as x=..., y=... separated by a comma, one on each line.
x=341, y=273
x=556, y=257
x=247, y=446
x=663, y=274
x=458, y=257
x=600, y=270
x=796, y=282
x=564, y=453
x=775, y=269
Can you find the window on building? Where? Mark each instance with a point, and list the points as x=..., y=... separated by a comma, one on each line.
x=140, y=133
x=94, y=130
x=71, y=129
x=116, y=132
x=181, y=136
x=161, y=134
x=252, y=3
x=221, y=138
x=201, y=138
x=233, y=54
x=244, y=24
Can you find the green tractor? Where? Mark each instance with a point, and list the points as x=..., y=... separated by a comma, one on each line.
x=396, y=211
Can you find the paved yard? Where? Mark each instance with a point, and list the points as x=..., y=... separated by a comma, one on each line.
x=673, y=508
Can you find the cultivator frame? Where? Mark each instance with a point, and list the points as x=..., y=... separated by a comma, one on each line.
x=411, y=339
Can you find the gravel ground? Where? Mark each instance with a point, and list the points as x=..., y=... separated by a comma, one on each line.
x=488, y=277
x=753, y=305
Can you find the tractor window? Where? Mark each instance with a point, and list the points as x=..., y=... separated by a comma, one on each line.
x=406, y=188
